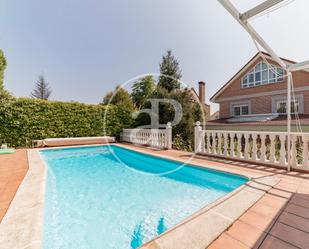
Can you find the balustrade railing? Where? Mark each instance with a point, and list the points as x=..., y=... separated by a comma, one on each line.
x=264, y=147
x=158, y=138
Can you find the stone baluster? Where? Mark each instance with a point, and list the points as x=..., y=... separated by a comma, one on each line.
x=219, y=151
x=232, y=144
x=282, y=159
x=239, y=135
x=208, y=142
x=272, y=138
x=214, y=143
x=225, y=147
x=293, y=150
x=263, y=147
x=254, y=146
x=247, y=144
x=305, y=151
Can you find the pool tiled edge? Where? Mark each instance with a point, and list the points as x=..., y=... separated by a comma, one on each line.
x=199, y=230
x=22, y=225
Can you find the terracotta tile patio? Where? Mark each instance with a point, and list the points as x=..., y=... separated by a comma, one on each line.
x=13, y=168
x=280, y=219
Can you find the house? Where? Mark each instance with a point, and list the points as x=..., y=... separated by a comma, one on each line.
x=255, y=98
x=215, y=115
x=200, y=97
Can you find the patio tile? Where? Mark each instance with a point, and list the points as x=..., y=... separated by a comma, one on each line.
x=298, y=210
x=287, y=186
x=3, y=182
x=7, y=194
x=290, y=235
x=152, y=245
x=280, y=193
x=225, y=241
x=300, y=201
x=13, y=168
x=272, y=242
x=302, y=196
x=294, y=221
x=247, y=234
x=304, y=187
x=265, y=210
x=257, y=220
x=274, y=201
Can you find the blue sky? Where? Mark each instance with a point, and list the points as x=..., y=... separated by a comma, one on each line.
x=86, y=48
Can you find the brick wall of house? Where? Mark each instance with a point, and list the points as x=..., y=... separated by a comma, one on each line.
x=263, y=104
x=306, y=102
x=260, y=105
x=224, y=110
x=207, y=112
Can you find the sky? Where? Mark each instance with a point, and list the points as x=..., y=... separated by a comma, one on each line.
x=85, y=48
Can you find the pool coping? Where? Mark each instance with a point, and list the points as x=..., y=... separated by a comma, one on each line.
x=22, y=225
x=27, y=208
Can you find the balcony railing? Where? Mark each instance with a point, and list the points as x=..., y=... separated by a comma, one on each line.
x=254, y=146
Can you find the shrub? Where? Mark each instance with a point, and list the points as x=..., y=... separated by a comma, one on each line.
x=180, y=144
x=23, y=120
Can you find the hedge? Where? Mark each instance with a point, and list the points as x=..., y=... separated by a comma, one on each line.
x=23, y=120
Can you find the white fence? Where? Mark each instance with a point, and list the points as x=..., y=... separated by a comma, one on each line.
x=158, y=138
x=263, y=147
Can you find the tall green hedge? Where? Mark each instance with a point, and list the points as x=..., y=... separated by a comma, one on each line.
x=23, y=120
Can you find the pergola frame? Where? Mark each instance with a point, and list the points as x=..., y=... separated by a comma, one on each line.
x=243, y=20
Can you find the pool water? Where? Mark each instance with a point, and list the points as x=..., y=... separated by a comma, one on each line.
x=95, y=201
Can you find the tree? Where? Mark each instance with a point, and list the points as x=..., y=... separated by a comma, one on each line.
x=2, y=68
x=42, y=89
x=170, y=72
x=142, y=90
x=119, y=97
x=183, y=132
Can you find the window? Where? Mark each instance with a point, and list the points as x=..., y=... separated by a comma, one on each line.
x=279, y=104
x=282, y=106
x=262, y=74
x=239, y=110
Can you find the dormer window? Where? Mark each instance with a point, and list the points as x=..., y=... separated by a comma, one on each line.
x=262, y=74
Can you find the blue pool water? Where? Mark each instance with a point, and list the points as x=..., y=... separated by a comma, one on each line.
x=94, y=201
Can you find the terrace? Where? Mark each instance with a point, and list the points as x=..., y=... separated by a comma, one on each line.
x=245, y=186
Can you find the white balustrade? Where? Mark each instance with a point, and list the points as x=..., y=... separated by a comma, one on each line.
x=254, y=146
x=158, y=138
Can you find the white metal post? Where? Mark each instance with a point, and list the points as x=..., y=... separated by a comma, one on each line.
x=236, y=14
x=288, y=106
x=259, y=9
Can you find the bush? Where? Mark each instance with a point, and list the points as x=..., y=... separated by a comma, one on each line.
x=180, y=144
x=23, y=120
x=183, y=132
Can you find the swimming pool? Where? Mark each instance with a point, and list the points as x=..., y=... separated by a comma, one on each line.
x=93, y=200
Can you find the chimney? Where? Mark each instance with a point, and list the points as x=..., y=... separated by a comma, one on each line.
x=201, y=93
